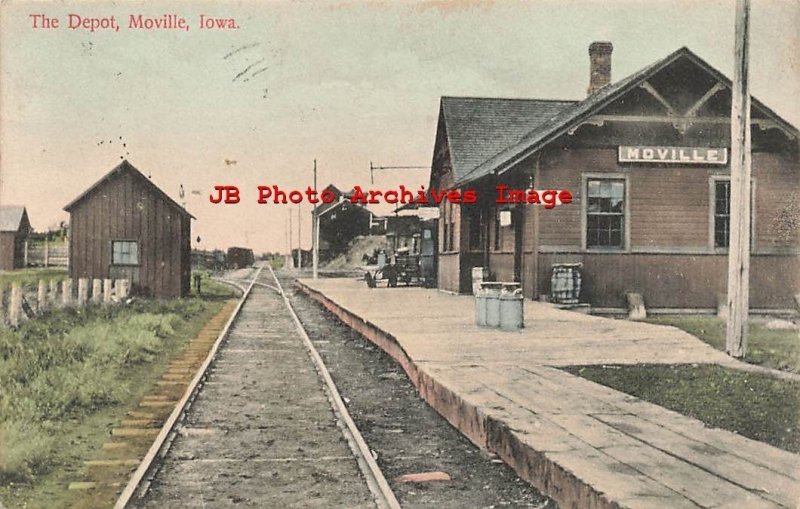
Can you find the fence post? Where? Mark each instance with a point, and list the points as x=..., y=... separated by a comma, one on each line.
x=66, y=292
x=16, y=305
x=107, y=289
x=97, y=290
x=53, y=290
x=83, y=291
x=25, y=256
x=42, y=296
x=122, y=288
x=2, y=305
x=46, y=253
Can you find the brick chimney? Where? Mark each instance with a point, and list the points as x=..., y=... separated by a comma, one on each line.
x=599, y=66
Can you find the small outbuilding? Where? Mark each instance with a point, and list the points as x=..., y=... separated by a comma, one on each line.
x=14, y=230
x=240, y=257
x=340, y=222
x=124, y=226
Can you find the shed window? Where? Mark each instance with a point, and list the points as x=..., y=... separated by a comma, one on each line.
x=605, y=213
x=124, y=252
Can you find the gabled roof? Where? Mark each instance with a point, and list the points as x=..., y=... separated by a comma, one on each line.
x=11, y=217
x=121, y=168
x=478, y=128
x=577, y=112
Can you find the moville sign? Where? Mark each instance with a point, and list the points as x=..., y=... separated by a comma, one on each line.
x=673, y=155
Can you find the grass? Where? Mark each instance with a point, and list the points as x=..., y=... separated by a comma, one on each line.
x=754, y=405
x=777, y=349
x=68, y=376
x=31, y=276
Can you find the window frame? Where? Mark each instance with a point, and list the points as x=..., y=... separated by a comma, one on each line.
x=138, y=253
x=712, y=204
x=626, y=213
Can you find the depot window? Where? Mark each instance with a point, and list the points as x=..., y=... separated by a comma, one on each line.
x=722, y=213
x=124, y=252
x=721, y=209
x=605, y=213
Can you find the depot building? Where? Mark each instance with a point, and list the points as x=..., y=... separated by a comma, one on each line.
x=646, y=162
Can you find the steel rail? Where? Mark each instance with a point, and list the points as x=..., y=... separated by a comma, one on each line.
x=384, y=496
x=148, y=461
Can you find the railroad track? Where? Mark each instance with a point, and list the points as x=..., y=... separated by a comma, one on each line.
x=259, y=338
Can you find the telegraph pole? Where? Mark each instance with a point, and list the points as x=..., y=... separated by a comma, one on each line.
x=299, y=240
x=315, y=228
x=739, y=250
x=290, y=236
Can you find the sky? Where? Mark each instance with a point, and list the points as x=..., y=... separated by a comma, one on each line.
x=344, y=83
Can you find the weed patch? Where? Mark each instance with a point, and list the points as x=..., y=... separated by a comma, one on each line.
x=69, y=364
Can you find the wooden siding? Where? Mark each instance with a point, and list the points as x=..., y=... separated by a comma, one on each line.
x=676, y=281
x=669, y=206
x=126, y=208
x=8, y=242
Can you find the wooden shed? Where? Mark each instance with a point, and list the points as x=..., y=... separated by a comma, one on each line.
x=124, y=226
x=14, y=229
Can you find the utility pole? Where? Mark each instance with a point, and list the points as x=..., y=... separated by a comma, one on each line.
x=739, y=250
x=299, y=240
x=290, y=236
x=315, y=228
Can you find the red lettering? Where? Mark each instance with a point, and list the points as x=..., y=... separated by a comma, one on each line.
x=327, y=196
x=264, y=192
x=218, y=198
x=232, y=194
x=358, y=196
x=406, y=196
x=454, y=196
x=470, y=196
x=501, y=193
x=387, y=194
x=438, y=196
x=565, y=196
x=225, y=194
x=549, y=198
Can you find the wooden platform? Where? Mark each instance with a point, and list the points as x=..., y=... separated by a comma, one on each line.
x=581, y=443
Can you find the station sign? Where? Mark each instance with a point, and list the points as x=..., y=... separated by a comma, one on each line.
x=673, y=155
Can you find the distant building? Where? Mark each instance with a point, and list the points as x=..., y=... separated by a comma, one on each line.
x=14, y=230
x=306, y=258
x=124, y=226
x=340, y=222
x=646, y=161
x=240, y=257
x=208, y=260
